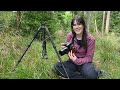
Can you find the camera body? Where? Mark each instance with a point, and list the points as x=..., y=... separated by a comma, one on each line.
x=69, y=47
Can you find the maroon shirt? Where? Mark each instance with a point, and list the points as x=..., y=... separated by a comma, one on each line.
x=81, y=54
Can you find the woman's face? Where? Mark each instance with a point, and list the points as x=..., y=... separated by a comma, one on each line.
x=78, y=29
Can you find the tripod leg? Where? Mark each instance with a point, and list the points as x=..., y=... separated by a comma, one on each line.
x=27, y=48
x=56, y=51
x=44, y=52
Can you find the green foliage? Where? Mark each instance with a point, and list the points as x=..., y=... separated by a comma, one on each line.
x=67, y=17
x=56, y=20
x=32, y=66
x=115, y=21
x=107, y=56
x=98, y=16
x=32, y=20
x=107, y=52
x=6, y=18
x=107, y=48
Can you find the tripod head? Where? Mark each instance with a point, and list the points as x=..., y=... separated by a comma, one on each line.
x=43, y=23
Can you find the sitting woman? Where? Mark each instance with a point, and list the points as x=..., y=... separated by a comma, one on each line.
x=79, y=65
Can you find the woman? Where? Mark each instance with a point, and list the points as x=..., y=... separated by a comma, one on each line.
x=79, y=65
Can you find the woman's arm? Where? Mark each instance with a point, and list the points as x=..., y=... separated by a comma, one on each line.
x=89, y=54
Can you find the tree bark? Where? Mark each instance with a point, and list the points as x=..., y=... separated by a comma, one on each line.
x=103, y=22
x=96, y=29
x=18, y=20
x=107, y=22
x=88, y=21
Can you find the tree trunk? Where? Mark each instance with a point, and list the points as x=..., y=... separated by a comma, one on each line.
x=107, y=22
x=102, y=30
x=18, y=21
x=96, y=29
x=88, y=21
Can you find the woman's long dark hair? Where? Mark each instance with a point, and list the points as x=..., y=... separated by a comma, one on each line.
x=79, y=21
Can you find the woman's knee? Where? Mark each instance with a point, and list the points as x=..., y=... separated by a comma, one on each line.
x=57, y=65
x=89, y=72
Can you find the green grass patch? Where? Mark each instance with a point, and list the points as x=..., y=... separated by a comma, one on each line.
x=33, y=66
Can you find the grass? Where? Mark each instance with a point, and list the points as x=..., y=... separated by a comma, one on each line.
x=32, y=66
x=107, y=55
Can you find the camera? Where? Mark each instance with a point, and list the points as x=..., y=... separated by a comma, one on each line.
x=69, y=47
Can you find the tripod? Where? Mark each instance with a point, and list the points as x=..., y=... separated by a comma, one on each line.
x=44, y=52
x=44, y=28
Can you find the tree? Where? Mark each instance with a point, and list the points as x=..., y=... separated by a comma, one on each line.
x=18, y=20
x=107, y=22
x=96, y=28
x=103, y=20
x=88, y=21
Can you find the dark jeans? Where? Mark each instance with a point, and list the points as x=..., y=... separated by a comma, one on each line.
x=85, y=71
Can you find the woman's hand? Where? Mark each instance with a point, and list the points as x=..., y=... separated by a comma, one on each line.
x=72, y=56
x=63, y=45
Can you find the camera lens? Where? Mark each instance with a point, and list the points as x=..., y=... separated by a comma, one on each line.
x=63, y=51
